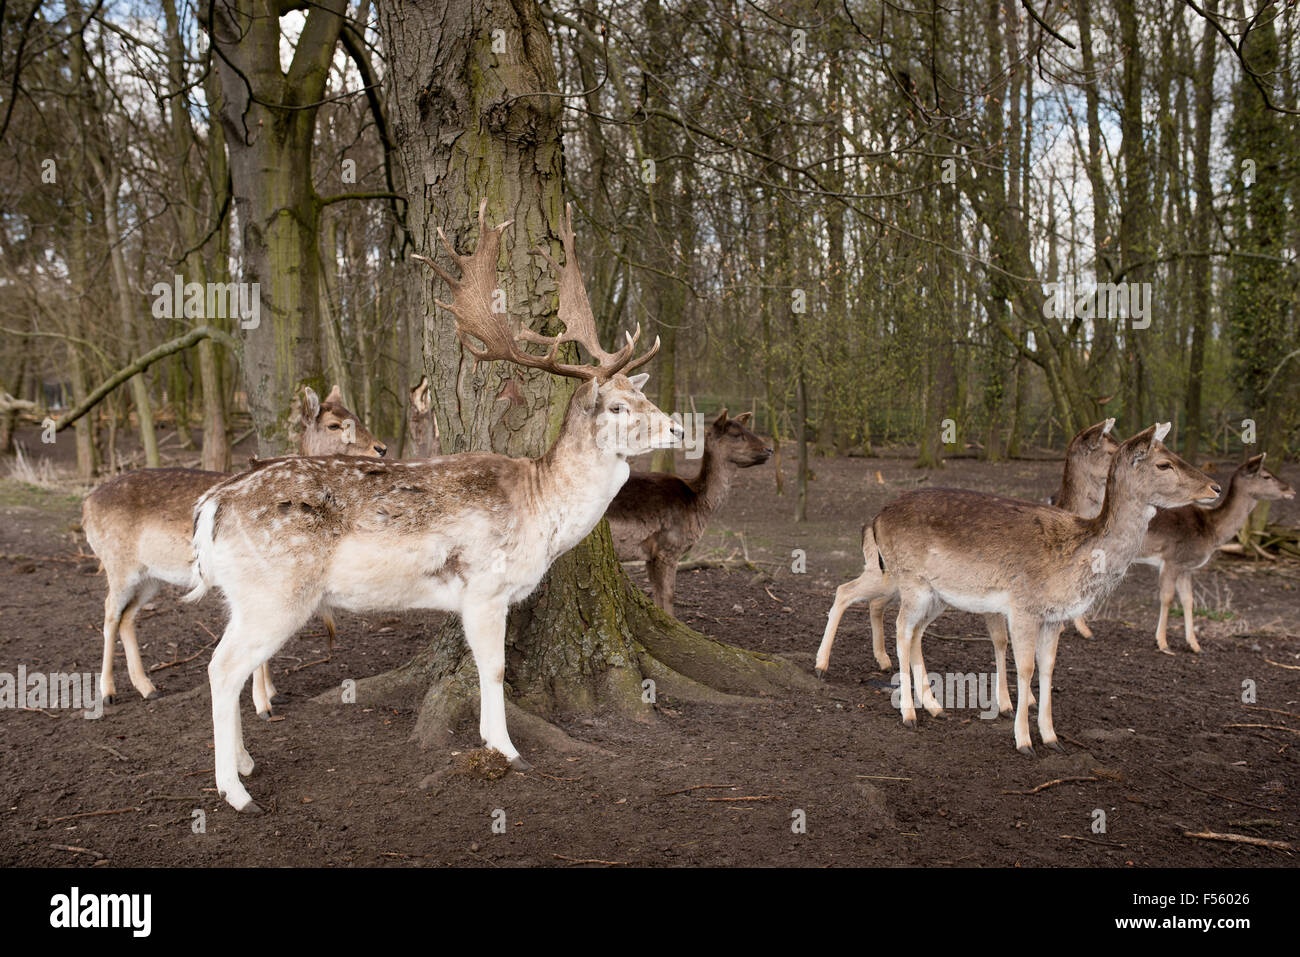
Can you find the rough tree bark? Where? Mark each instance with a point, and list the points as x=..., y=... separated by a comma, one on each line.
x=269, y=119
x=474, y=118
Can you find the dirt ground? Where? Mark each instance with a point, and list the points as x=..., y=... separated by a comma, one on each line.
x=1155, y=742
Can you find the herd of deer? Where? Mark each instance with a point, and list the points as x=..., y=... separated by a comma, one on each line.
x=339, y=526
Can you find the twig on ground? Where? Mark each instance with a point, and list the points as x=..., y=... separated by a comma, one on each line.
x=77, y=850
x=698, y=787
x=1088, y=840
x=1239, y=839
x=588, y=860
x=181, y=661
x=1047, y=784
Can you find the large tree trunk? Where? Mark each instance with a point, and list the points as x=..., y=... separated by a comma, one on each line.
x=466, y=128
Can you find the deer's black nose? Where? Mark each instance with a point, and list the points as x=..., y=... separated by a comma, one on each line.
x=1215, y=486
x=381, y=449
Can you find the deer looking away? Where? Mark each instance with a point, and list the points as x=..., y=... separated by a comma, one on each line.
x=1037, y=565
x=471, y=533
x=1181, y=540
x=422, y=439
x=140, y=525
x=658, y=517
x=1083, y=487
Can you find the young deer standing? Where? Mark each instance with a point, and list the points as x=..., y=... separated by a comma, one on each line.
x=1181, y=540
x=471, y=533
x=659, y=517
x=422, y=439
x=140, y=525
x=1038, y=565
x=1083, y=486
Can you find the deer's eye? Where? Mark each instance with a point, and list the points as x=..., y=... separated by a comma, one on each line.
x=334, y=426
x=618, y=407
x=1164, y=466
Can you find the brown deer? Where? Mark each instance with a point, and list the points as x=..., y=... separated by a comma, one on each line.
x=471, y=533
x=140, y=524
x=422, y=439
x=658, y=517
x=1038, y=565
x=1083, y=486
x=1181, y=540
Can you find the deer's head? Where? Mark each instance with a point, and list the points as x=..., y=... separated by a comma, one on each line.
x=1259, y=483
x=609, y=405
x=730, y=439
x=1161, y=477
x=327, y=427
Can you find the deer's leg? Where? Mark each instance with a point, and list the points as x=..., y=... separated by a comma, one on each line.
x=663, y=579
x=1166, y=596
x=1046, y=653
x=262, y=691
x=1024, y=640
x=1082, y=628
x=997, y=626
x=878, y=633
x=249, y=640
x=910, y=611
x=113, y=605
x=1184, y=584
x=921, y=676
x=126, y=630
x=860, y=589
x=485, y=632
x=331, y=630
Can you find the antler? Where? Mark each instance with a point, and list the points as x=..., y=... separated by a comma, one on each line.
x=575, y=312
x=471, y=305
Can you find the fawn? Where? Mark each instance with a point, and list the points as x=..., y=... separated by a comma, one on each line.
x=659, y=517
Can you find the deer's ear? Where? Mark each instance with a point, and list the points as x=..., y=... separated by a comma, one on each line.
x=586, y=396
x=1140, y=445
x=743, y=418
x=1162, y=429
x=721, y=420
x=1253, y=465
x=335, y=395
x=310, y=405
x=1110, y=424
x=639, y=381
x=420, y=395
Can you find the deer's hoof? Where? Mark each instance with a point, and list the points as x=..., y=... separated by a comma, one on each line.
x=519, y=764
x=1196, y=649
x=821, y=673
x=250, y=808
x=1055, y=746
x=1166, y=651
x=265, y=715
x=110, y=699
x=1027, y=750
x=153, y=695
x=910, y=723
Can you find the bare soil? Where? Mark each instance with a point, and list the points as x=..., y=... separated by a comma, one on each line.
x=1154, y=741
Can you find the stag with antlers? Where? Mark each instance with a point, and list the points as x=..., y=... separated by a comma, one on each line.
x=471, y=533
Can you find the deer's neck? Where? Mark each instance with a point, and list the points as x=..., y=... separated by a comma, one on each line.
x=1230, y=513
x=573, y=484
x=1121, y=525
x=713, y=482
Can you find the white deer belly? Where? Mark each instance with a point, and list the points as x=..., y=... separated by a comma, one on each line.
x=370, y=573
